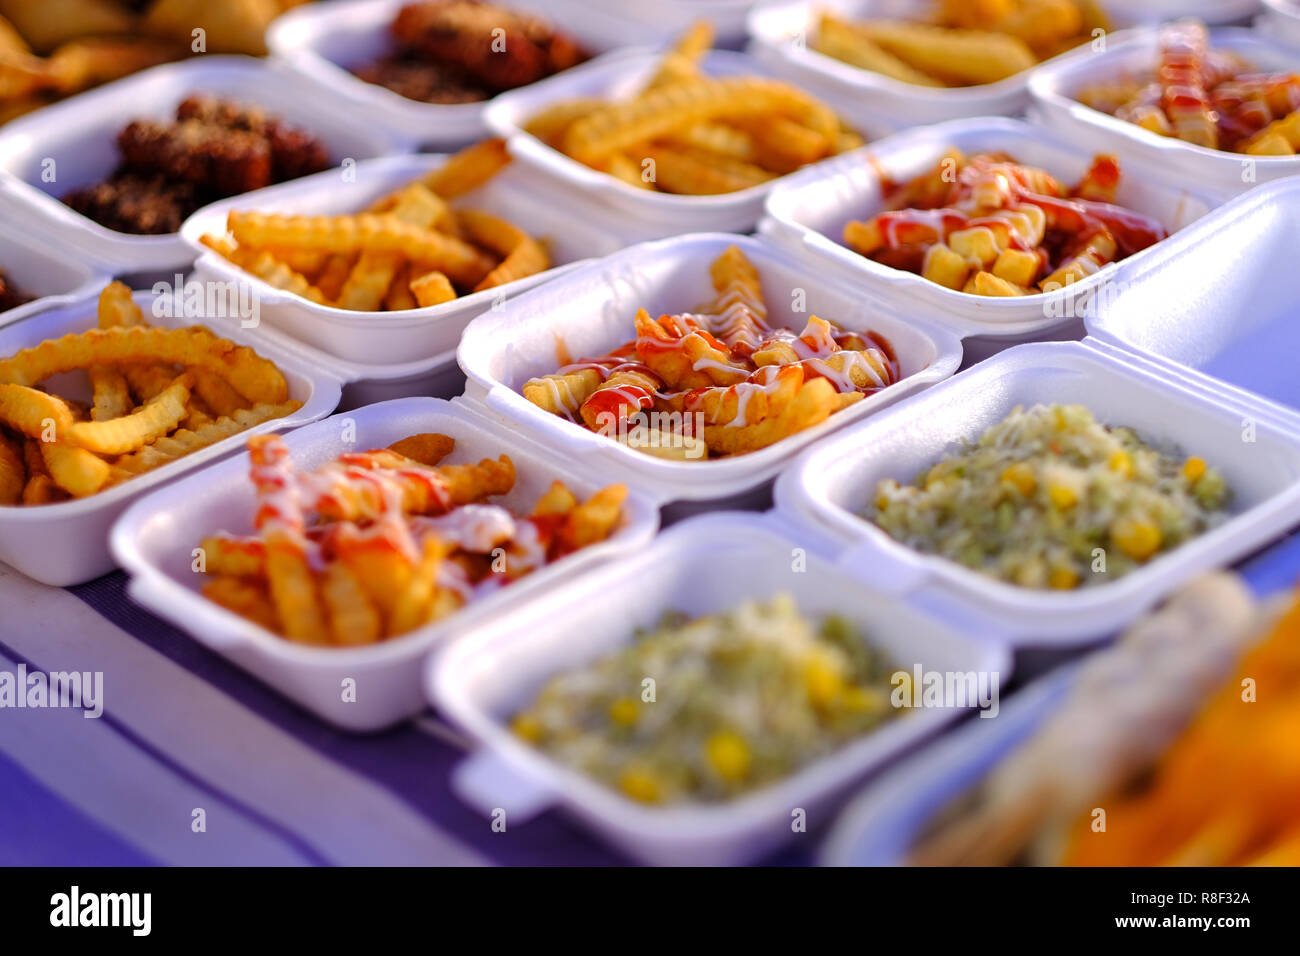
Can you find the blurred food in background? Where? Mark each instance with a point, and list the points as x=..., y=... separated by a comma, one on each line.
x=55, y=48
x=963, y=42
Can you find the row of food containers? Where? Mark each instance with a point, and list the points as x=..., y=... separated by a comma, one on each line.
x=1188, y=342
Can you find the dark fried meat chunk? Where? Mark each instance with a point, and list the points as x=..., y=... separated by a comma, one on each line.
x=422, y=81
x=498, y=48
x=224, y=160
x=215, y=148
x=294, y=151
x=141, y=204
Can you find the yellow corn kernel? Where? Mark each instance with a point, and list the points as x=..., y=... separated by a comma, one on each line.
x=638, y=784
x=728, y=754
x=821, y=681
x=624, y=712
x=528, y=727
x=1063, y=579
x=1193, y=468
x=1121, y=463
x=1022, y=476
x=1136, y=537
x=1062, y=496
x=1058, y=414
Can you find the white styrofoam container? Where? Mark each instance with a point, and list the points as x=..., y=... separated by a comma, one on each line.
x=1280, y=19
x=1054, y=86
x=780, y=31
x=155, y=538
x=884, y=823
x=478, y=681
x=808, y=212
x=67, y=543
x=668, y=18
x=323, y=42
x=397, y=337
x=831, y=485
x=1219, y=299
x=617, y=76
x=52, y=280
x=79, y=136
x=590, y=311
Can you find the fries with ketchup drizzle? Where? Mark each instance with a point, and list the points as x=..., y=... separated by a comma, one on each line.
x=720, y=380
x=1206, y=97
x=378, y=543
x=987, y=225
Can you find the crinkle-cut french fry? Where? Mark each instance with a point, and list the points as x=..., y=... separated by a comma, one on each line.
x=621, y=125
x=241, y=557
x=491, y=232
x=986, y=283
x=694, y=361
x=716, y=138
x=562, y=394
x=969, y=57
x=414, y=605
x=624, y=393
x=74, y=469
x=293, y=590
x=223, y=246
x=839, y=40
x=147, y=424
x=13, y=476
x=626, y=169
x=426, y=448
x=694, y=173
x=368, y=282
x=815, y=401
x=364, y=233
x=112, y=398
x=41, y=490
x=254, y=377
x=305, y=262
x=741, y=315
x=216, y=393
x=432, y=288
x=754, y=400
x=32, y=411
x=593, y=520
x=554, y=121
x=399, y=296
x=382, y=570
x=783, y=145
x=468, y=169
x=185, y=442
x=421, y=490
x=354, y=620
x=330, y=281
x=683, y=60
x=249, y=598
x=526, y=259
x=276, y=274
x=373, y=275
x=116, y=307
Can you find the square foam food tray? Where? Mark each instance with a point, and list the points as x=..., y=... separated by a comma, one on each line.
x=412, y=335
x=67, y=543
x=590, y=311
x=78, y=136
x=155, y=539
x=478, y=682
x=808, y=213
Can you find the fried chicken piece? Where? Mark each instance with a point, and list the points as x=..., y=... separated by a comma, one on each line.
x=141, y=204
x=294, y=151
x=502, y=49
x=413, y=77
x=227, y=161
